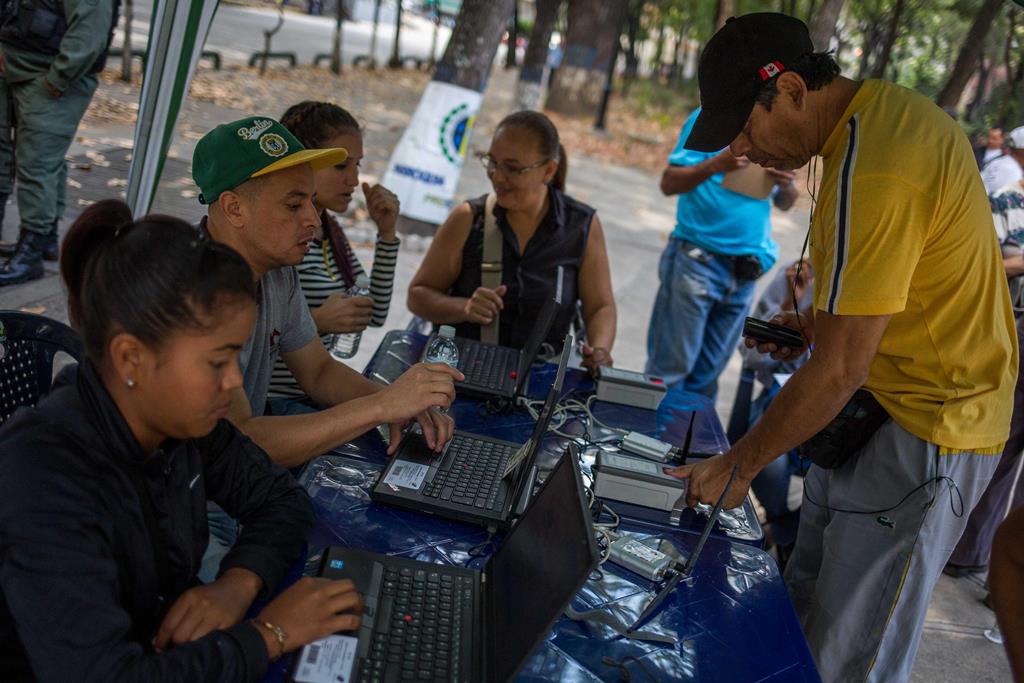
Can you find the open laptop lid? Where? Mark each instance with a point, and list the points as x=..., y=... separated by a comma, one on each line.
x=525, y=461
x=538, y=335
x=540, y=566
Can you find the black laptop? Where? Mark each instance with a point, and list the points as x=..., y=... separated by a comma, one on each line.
x=476, y=479
x=502, y=371
x=431, y=622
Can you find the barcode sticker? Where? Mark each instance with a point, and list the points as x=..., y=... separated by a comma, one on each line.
x=407, y=475
x=327, y=661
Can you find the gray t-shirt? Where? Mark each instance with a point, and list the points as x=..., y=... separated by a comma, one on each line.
x=283, y=324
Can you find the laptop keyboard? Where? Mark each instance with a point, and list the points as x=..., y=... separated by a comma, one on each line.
x=486, y=365
x=420, y=625
x=472, y=475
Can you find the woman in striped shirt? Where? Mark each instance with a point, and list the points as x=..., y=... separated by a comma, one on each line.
x=331, y=266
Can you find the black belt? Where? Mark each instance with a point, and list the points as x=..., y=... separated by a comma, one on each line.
x=745, y=267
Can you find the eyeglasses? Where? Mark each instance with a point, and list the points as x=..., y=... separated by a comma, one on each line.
x=507, y=169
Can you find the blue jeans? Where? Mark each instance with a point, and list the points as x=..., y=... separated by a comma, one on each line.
x=697, y=318
x=223, y=534
x=289, y=406
x=223, y=527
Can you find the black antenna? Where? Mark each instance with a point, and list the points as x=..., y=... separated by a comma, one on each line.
x=690, y=563
x=688, y=567
x=688, y=439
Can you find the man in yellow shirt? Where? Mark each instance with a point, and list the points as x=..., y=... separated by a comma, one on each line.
x=910, y=306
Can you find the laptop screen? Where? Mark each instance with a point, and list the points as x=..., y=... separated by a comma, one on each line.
x=538, y=335
x=539, y=567
x=551, y=400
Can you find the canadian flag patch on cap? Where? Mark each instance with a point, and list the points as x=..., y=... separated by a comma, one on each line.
x=771, y=69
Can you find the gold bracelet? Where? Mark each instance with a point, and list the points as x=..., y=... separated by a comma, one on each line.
x=278, y=632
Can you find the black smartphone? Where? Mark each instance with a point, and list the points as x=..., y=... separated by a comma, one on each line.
x=770, y=333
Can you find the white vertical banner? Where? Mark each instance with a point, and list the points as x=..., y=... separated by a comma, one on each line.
x=425, y=166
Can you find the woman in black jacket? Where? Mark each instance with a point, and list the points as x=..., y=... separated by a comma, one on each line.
x=104, y=484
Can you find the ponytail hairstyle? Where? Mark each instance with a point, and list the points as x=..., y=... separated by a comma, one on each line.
x=314, y=123
x=545, y=134
x=149, y=278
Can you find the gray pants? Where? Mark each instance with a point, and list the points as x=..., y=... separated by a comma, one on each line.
x=861, y=582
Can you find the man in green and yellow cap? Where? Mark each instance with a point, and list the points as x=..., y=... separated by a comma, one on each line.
x=258, y=182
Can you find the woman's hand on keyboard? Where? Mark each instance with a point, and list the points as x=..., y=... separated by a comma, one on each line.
x=312, y=609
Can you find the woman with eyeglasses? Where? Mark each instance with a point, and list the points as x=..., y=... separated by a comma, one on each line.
x=541, y=229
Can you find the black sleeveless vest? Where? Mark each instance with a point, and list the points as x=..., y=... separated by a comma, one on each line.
x=530, y=277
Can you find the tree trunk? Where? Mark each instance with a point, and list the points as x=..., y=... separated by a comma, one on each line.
x=882, y=63
x=970, y=52
x=513, y=37
x=593, y=32
x=979, y=93
x=436, y=18
x=396, y=56
x=812, y=6
x=632, y=32
x=823, y=26
x=673, y=71
x=336, y=43
x=726, y=9
x=268, y=35
x=868, y=49
x=126, y=51
x=659, y=46
x=467, y=62
x=474, y=43
x=1013, y=75
x=373, y=34
x=530, y=88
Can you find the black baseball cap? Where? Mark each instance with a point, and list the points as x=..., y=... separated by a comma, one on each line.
x=745, y=53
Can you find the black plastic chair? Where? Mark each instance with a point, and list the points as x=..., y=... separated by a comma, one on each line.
x=28, y=345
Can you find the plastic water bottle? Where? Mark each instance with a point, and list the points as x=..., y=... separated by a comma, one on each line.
x=347, y=345
x=442, y=349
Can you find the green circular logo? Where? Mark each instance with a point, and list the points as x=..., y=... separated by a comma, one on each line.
x=273, y=145
x=455, y=130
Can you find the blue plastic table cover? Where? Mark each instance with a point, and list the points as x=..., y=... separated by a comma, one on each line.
x=733, y=619
x=670, y=422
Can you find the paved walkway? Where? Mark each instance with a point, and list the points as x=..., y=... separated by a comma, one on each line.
x=637, y=221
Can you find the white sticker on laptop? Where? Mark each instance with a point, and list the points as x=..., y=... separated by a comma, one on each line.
x=407, y=475
x=327, y=661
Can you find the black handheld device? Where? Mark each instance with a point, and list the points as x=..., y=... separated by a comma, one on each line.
x=770, y=333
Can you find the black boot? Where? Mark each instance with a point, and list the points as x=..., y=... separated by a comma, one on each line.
x=51, y=249
x=27, y=262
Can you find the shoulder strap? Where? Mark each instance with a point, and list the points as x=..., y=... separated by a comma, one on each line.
x=491, y=264
x=985, y=164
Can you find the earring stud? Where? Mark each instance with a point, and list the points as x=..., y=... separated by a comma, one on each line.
x=131, y=383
